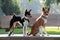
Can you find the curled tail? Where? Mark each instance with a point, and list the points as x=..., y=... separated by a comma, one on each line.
x=11, y=23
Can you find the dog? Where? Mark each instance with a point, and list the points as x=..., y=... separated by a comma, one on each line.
x=39, y=23
x=17, y=20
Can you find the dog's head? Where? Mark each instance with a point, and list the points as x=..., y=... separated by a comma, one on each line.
x=46, y=11
x=27, y=13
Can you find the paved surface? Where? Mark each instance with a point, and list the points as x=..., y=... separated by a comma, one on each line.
x=21, y=35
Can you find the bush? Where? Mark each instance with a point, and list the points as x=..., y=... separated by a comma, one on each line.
x=10, y=6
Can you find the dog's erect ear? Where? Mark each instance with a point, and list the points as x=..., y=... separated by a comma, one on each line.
x=26, y=10
x=14, y=14
x=48, y=9
x=30, y=10
x=43, y=9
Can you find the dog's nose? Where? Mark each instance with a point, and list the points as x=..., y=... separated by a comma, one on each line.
x=46, y=14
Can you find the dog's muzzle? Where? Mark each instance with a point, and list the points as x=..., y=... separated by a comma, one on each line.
x=46, y=13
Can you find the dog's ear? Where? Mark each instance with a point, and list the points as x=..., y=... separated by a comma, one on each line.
x=14, y=14
x=30, y=10
x=48, y=9
x=43, y=9
x=26, y=10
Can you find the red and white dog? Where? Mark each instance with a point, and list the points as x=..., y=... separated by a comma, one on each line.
x=40, y=22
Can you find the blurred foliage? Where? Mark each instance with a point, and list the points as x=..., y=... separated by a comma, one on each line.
x=13, y=6
x=58, y=1
x=48, y=3
x=30, y=0
x=10, y=6
x=0, y=3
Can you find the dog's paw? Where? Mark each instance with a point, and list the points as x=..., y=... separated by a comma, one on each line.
x=47, y=35
x=28, y=33
x=12, y=33
x=42, y=35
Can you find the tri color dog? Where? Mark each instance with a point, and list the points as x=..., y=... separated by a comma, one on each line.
x=17, y=20
x=39, y=23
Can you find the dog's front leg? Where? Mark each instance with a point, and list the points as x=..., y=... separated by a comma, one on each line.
x=25, y=30
x=45, y=31
x=40, y=30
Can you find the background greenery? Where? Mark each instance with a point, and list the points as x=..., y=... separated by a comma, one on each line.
x=13, y=6
x=20, y=31
x=48, y=3
x=10, y=6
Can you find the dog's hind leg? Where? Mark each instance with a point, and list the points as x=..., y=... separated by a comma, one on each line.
x=10, y=32
x=12, y=28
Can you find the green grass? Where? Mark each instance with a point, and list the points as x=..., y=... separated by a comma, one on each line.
x=2, y=31
x=20, y=31
x=16, y=31
x=53, y=30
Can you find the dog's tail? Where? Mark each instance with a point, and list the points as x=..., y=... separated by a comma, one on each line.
x=11, y=23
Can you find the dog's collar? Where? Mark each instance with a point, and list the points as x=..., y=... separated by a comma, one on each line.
x=45, y=17
x=26, y=19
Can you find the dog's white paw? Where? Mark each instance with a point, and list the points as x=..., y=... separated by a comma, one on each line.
x=12, y=33
x=47, y=35
x=41, y=34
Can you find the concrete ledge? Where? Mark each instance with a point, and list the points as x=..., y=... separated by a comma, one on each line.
x=29, y=38
x=21, y=37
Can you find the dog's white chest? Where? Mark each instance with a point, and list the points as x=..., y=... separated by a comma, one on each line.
x=25, y=23
x=45, y=20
